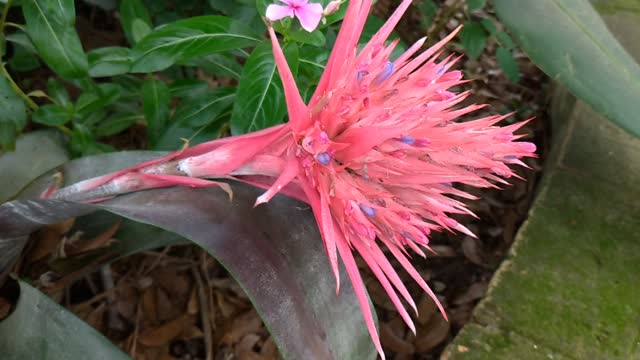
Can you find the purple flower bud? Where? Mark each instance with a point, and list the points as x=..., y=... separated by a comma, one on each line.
x=407, y=139
x=368, y=210
x=323, y=158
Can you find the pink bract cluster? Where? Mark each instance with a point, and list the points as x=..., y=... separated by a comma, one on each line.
x=376, y=153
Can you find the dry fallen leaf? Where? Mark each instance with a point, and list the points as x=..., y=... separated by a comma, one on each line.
x=168, y=331
x=432, y=335
x=246, y=323
x=391, y=341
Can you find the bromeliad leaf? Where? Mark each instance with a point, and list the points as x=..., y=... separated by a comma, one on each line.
x=259, y=99
x=39, y=328
x=51, y=27
x=13, y=116
x=274, y=259
x=155, y=100
x=576, y=48
x=35, y=154
x=190, y=38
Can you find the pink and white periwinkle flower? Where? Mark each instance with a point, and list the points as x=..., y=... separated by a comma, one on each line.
x=307, y=12
x=376, y=154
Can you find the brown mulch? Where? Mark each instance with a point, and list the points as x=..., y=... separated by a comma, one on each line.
x=179, y=303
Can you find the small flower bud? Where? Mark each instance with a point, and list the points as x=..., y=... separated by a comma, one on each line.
x=332, y=7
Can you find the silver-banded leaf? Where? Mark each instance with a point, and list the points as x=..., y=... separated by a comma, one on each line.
x=274, y=252
x=570, y=42
x=39, y=328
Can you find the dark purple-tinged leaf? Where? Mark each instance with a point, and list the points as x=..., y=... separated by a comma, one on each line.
x=274, y=251
x=259, y=99
x=190, y=38
x=39, y=328
x=51, y=27
x=35, y=154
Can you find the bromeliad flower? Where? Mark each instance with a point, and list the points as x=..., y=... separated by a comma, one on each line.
x=376, y=153
x=308, y=13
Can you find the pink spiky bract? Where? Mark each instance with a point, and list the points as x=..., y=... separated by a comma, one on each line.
x=375, y=153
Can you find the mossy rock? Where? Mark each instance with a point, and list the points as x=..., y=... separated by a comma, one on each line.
x=570, y=287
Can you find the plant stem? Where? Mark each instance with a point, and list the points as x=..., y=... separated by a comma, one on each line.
x=3, y=70
x=17, y=89
x=5, y=12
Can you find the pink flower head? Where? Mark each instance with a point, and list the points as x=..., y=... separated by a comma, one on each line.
x=375, y=153
x=308, y=13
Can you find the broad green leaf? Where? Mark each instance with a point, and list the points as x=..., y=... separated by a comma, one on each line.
x=222, y=65
x=107, y=5
x=184, y=88
x=428, y=10
x=51, y=27
x=315, y=38
x=241, y=10
x=474, y=5
x=22, y=60
x=505, y=40
x=52, y=115
x=39, y=328
x=569, y=41
x=490, y=26
x=508, y=64
x=57, y=91
x=104, y=95
x=132, y=11
x=473, y=37
x=190, y=38
x=269, y=250
x=109, y=61
x=202, y=109
x=21, y=38
x=196, y=116
x=155, y=100
x=259, y=99
x=117, y=123
x=13, y=117
x=195, y=113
